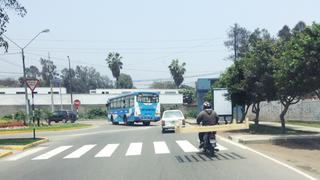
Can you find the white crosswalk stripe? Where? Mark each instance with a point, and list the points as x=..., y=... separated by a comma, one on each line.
x=79, y=152
x=221, y=148
x=186, y=146
x=134, y=149
x=25, y=154
x=107, y=151
x=52, y=153
x=160, y=147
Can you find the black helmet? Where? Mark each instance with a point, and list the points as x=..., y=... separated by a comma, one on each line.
x=206, y=105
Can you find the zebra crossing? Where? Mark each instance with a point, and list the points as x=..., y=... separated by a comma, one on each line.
x=134, y=149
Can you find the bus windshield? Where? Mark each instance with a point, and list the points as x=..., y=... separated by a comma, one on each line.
x=147, y=98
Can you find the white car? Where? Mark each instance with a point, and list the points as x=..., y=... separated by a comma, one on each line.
x=170, y=119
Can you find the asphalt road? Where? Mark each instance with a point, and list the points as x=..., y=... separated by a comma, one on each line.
x=142, y=153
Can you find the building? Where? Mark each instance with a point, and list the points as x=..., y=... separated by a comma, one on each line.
x=38, y=90
x=203, y=86
x=126, y=91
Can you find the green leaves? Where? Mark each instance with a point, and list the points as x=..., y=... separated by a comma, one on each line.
x=177, y=71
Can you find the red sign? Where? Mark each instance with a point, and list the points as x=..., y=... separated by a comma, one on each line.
x=76, y=103
x=32, y=83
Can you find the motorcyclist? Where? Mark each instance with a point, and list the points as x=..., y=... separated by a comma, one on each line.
x=206, y=117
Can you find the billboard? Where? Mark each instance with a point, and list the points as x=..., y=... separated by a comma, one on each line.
x=221, y=105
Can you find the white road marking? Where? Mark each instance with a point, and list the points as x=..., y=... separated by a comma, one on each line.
x=52, y=153
x=270, y=158
x=79, y=152
x=186, y=146
x=160, y=147
x=107, y=151
x=134, y=149
x=221, y=148
x=26, y=153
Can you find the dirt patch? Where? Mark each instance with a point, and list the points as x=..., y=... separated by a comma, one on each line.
x=304, y=155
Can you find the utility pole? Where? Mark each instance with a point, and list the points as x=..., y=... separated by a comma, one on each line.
x=51, y=86
x=61, y=107
x=25, y=86
x=70, y=85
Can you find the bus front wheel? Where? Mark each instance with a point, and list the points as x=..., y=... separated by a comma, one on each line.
x=146, y=123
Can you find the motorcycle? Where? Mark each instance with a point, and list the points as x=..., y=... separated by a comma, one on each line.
x=209, y=144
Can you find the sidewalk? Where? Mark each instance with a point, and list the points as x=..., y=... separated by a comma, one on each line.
x=262, y=139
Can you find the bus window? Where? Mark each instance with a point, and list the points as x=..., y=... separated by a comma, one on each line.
x=131, y=101
x=127, y=102
x=148, y=98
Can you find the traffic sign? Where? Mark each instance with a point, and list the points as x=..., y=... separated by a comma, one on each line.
x=32, y=83
x=76, y=103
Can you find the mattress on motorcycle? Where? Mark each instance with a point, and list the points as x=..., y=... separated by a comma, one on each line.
x=188, y=128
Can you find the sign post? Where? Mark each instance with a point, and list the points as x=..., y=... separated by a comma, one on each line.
x=77, y=104
x=32, y=84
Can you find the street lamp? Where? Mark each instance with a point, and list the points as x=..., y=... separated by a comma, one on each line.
x=24, y=67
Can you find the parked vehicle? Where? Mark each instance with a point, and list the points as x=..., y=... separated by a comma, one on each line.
x=170, y=119
x=63, y=115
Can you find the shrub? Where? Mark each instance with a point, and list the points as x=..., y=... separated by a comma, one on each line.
x=192, y=114
x=96, y=113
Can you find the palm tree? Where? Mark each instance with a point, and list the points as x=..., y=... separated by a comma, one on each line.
x=115, y=65
x=177, y=71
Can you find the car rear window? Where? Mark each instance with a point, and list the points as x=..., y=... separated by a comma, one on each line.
x=172, y=114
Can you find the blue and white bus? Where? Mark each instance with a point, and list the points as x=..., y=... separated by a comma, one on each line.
x=134, y=107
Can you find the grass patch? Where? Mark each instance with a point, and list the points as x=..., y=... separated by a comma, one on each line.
x=54, y=127
x=271, y=130
x=305, y=123
x=18, y=141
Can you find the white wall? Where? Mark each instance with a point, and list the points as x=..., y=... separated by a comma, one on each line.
x=87, y=99
x=39, y=90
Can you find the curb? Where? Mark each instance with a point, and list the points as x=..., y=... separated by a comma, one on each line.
x=6, y=153
x=24, y=147
x=44, y=130
x=272, y=140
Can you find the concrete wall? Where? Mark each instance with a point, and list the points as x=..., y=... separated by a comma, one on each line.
x=11, y=103
x=308, y=110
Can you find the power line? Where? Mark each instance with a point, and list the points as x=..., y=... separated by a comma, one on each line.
x=121, y=41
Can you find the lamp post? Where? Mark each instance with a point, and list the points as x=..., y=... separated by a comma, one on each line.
x=24, y=67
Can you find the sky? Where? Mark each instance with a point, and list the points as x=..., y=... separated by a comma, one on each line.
x=147, y=33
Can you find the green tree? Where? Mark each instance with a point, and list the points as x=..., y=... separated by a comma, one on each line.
x=238, y=41
x=285, y=33
x=4, y=17
x=114, y=64
x=289, y=74
x=8, y=82
x=188, y=95
x=177, y=71
x=258, y=77
x=311, y=49
x=124, y=81
x=163, y=85
x=48, y=71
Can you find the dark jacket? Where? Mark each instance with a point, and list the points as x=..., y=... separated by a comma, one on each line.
x=207, y=117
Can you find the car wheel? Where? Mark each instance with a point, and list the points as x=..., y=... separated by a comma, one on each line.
x=64, y=120
x=125, y=120
x=146, y=123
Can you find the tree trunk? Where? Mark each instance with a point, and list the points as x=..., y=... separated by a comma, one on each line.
x=317, y=92
x=117, y=78
x=282, y=114
x=244, y=113
x=257, y=111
